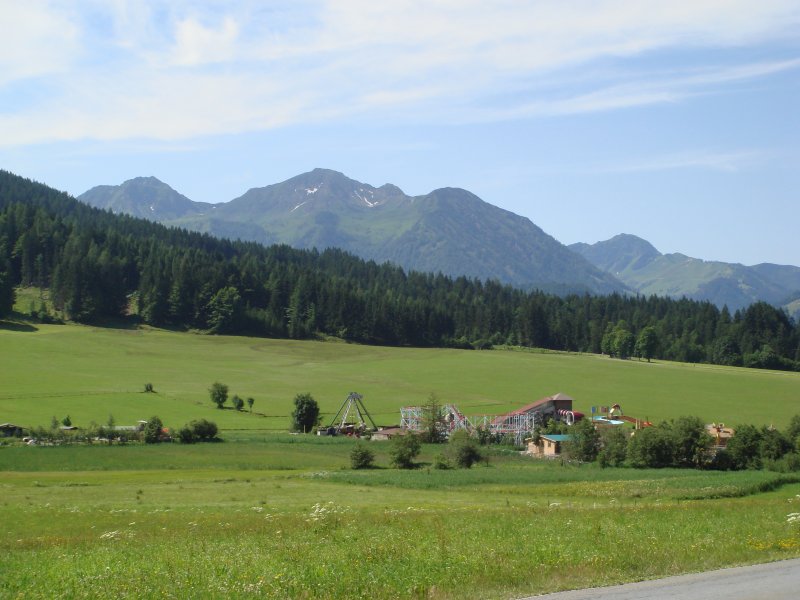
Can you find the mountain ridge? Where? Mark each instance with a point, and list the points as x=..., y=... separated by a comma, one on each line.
x=144, y=197
x=448, y=230
x=638, y=264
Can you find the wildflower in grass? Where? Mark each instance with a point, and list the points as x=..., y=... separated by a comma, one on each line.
x=110, y=535
x=321, y=512
x=116, y=535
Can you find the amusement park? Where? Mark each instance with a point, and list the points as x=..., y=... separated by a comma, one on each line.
x=520, y=427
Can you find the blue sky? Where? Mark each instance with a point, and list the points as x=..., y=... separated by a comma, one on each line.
x=676, y=121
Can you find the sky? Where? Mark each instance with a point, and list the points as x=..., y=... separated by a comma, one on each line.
x=676, y=121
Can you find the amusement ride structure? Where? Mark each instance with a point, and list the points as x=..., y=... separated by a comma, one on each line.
x=517, y=424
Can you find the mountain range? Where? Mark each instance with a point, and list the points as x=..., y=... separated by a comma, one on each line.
x=638, y=264
x=451, y=231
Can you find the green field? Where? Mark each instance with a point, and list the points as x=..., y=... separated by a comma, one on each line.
x=90, y=373
x=269, y=514
x=283, y=517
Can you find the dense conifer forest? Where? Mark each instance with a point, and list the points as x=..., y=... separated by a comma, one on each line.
x=97, y=265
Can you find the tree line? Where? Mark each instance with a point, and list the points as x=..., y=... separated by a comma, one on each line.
x=683, y=443
x=98, y=265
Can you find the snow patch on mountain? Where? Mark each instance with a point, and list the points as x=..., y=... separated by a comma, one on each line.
x=364, y=198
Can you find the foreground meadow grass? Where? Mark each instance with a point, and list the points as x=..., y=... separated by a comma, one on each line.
x=288, y=520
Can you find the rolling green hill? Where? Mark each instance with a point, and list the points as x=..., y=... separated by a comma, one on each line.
x=89, y=373
x=449, y=230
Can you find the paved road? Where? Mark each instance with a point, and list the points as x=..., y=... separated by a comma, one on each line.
x=772, y=581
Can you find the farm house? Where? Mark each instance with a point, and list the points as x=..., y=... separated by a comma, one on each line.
x=548, y=445
x=386, y=433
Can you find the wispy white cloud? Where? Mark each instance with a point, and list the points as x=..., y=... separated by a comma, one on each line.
x=197, y=44
x=36, y=40
x=728, y=162
x=639, y=89
x=175, y=70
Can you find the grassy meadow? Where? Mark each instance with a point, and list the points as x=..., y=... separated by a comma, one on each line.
x=274, y=515
x=283, y=517
x=89, y=373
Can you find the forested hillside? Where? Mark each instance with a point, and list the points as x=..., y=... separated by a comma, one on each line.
x=100, y=265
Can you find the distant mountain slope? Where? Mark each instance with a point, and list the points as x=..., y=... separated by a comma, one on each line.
x=449, y=230
x=146, y=198
x=784, y=276
x=622, y=253
x=639, y=265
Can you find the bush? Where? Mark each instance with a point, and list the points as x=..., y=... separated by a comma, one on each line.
x=651, y=448
x=486, y=437
x=186, y=435
x=441, y=462
x=585, y=442
x=404, y=449
x=238, y=403
x=463, y=450
x=613, y=447
x=774, y=444
x=721, y=461
x=203, y=430
x=744, y=448
x=789, y=463
x=148, y=388
x=361, y=457
x=691, y=442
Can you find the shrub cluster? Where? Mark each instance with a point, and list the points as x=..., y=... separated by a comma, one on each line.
x=151, y=432
x=684, y=443
x=404, y=449
x=200, y=430
x=463, y=450
x=765, y=447
x=361, y=457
